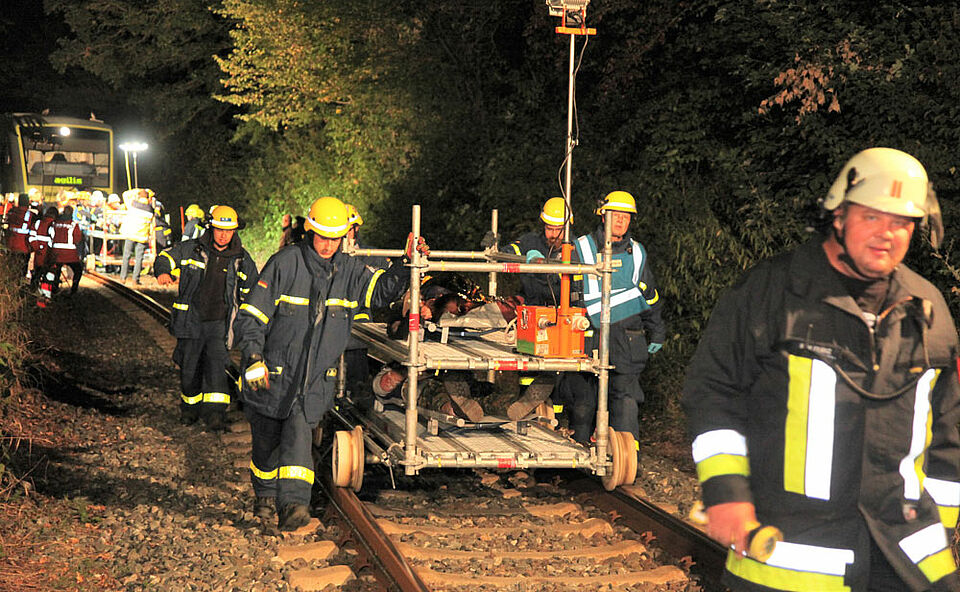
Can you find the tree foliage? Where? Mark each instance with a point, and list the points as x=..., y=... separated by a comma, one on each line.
x=727, y=120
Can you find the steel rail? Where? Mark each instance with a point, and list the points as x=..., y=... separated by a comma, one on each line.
x=156, y=310
x=385, y=556
x=676, y=537
x=379, y=548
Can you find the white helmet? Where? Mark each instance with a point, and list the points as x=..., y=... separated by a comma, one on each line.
x=890, y=181
x=98, y=195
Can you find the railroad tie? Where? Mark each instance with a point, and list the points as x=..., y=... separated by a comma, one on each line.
x=309, y=580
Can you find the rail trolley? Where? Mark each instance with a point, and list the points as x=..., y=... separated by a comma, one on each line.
x=419, y=439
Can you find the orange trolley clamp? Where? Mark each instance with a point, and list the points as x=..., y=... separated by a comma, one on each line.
x=539, y=331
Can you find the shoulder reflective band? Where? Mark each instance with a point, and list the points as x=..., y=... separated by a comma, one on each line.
x=292, y=300
x=173, y=264
x=262, y=475
x=368, y=297
x=294, y=472
x=191, y=400
x=720, y=452
x=181, y=306
x=341, y=302
x=253, y=310
x=516, y=248
x=194, y=263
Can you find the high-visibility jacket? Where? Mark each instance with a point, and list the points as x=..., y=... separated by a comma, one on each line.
x=19, y=221
x=41, y=234
x=67, y=241
x=635, y=303
x=537, y=289
x=775, y=409
x=137, y=218
x=188, y=260
x=298, y=317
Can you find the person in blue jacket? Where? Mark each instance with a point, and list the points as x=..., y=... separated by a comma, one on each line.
x=215, y=274
x=292, y=330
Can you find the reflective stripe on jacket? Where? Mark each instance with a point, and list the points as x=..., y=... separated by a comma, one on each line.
x=298, y=317
x=188, y=260
x=775, y=422
x=67, y=237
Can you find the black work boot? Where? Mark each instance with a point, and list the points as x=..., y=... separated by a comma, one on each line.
x=293, y=516
x=265, y=508
x=214, y=422
x=189, y=415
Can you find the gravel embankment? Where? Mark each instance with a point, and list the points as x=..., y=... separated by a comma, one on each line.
x=114, y=494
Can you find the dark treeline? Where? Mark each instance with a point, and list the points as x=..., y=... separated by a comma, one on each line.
x=726, y=119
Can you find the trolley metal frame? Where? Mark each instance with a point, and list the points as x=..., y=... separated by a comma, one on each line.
x=387, y=444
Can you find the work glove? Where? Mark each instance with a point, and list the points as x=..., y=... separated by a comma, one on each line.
x=257, y=375
x=421, y=246
x=489, y=239
x=654, y=348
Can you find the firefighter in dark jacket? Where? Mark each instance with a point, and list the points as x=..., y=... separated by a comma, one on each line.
x=637, y=329
x=216, y=274
x=541, y=289
x=292, y=330
x=823, y=400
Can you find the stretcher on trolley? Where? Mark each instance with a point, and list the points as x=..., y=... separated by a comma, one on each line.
x=403, y=434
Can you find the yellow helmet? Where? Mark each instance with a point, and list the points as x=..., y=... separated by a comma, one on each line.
x=353, y=216
x=328, y=217
x=555, y=212
x=224, y=218
x=194, y=211
x=618, y=201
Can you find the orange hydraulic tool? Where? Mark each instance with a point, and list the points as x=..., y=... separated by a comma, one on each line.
x=551, y=332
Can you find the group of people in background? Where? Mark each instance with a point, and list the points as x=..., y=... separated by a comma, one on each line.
x=46, y=236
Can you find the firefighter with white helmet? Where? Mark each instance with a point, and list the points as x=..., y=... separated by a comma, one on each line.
x=215, y=274
x=292, y=330
x=637, y=330
x=823, y=400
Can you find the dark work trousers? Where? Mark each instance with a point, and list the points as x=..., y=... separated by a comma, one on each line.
x=358, y=370
x=624, y=394
x=77, y=269
x=137, y=249
x=282, y=464
x=204, y=387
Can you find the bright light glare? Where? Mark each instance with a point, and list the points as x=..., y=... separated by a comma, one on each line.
x=64, y=131
x=133, y=146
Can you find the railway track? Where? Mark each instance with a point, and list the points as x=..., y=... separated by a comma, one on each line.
x=489, y=529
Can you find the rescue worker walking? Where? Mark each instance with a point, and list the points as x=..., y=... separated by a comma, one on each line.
x=292, y=330
x=637, y=329
x=68, y=248
x=18, y=222
x=215, y=273
x=41, y=241
x=823, y=400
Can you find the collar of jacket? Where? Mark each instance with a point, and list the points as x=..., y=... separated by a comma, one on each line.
x=233, y=249
x=618, y=246
x=316, y=264
x=811, y=276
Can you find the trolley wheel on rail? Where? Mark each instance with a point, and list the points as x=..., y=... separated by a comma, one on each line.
x=614, y=476
x=342, y=461
x=356, y=478
x=630, y=456
x=348, y=458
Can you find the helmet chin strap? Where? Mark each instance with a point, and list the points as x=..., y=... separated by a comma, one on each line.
x=845, y=257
